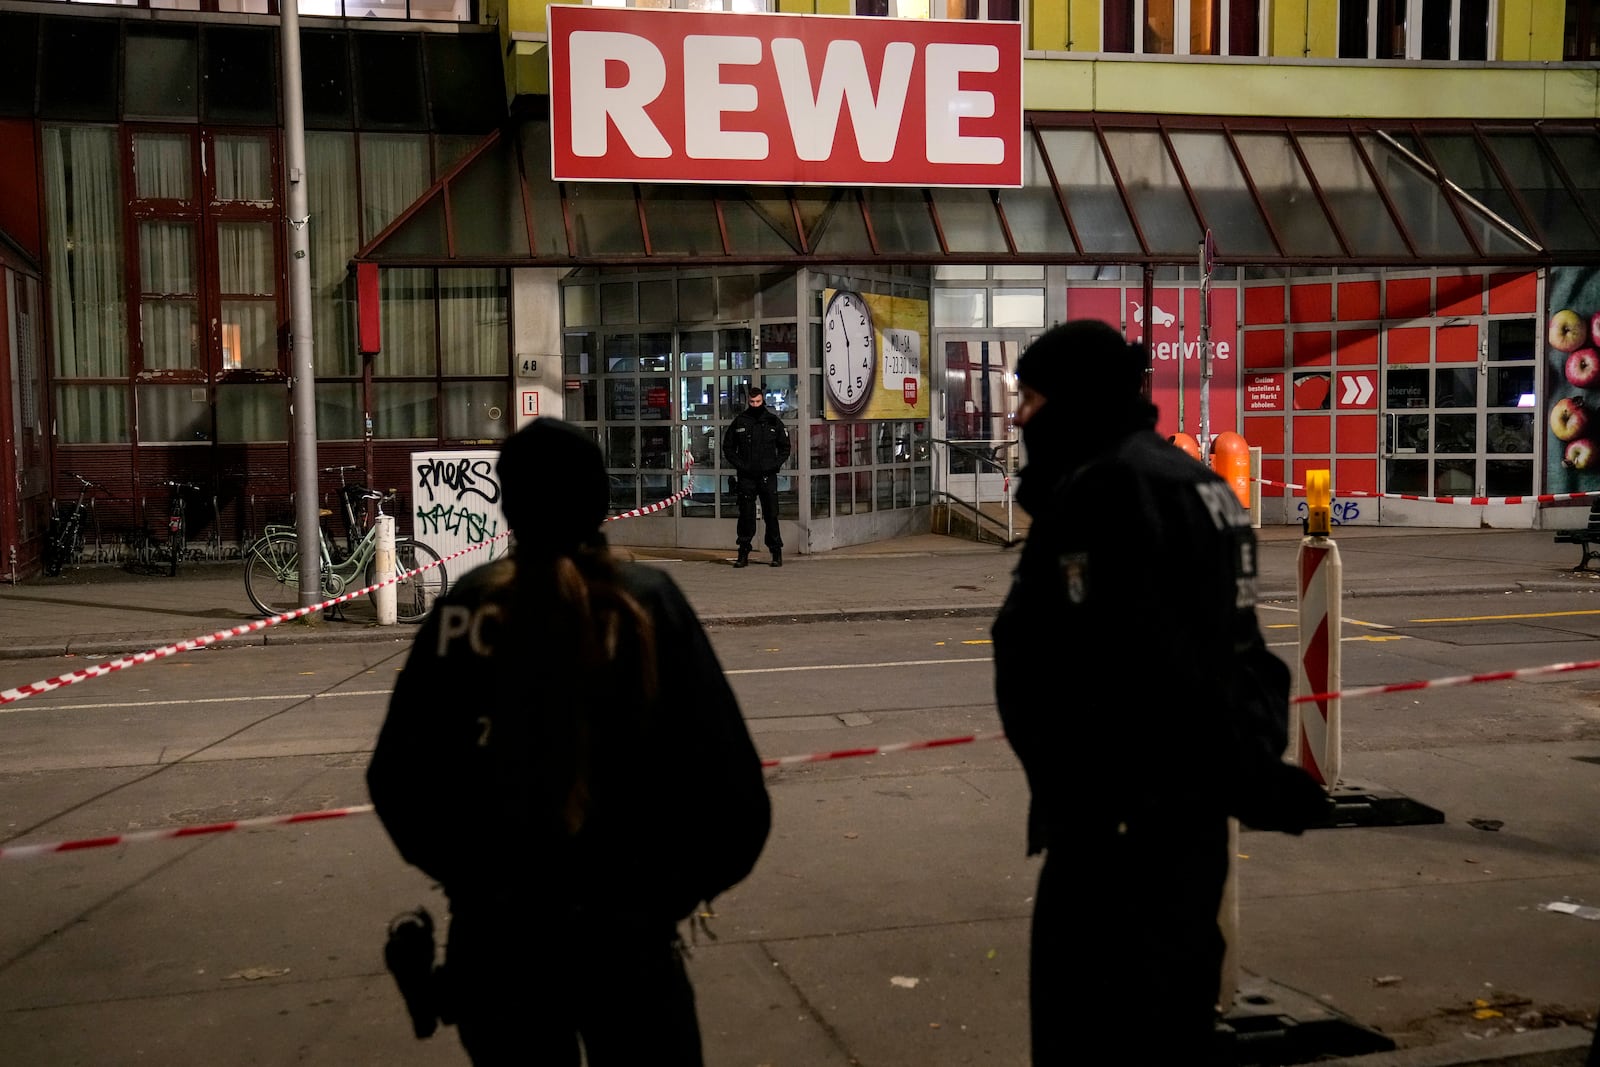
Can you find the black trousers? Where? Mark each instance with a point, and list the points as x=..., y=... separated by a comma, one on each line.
x=526, y=992
x=1125, y=932
x=753, y=487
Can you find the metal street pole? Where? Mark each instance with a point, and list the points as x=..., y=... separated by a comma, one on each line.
x=302, y=380
x=1206, y=255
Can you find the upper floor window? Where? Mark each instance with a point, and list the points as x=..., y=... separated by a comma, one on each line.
x=984, y=10
x=406, y=10
x=1580, y=35
x=1414, y=29
x=1183, y=27
x=748, y=6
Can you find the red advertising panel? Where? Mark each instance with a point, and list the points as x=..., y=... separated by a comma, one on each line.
x=1177, y=383
x=1263, y=392
x=688, y=96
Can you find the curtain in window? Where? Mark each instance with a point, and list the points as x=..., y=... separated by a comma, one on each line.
x=162, y=168
x=335, y=237
x=244, y=169
x=472, y=321
x=394, y=172
x=168, y=326
x=83, y=213
x=406, y=300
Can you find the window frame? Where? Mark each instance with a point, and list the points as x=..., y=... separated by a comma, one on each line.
x=1182, y=25
x=1413, y=10
x=893, y=10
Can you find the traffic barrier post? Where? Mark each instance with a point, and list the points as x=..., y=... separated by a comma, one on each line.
x=1314, y=726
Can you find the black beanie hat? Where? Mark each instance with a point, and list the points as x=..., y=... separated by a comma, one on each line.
x=553, y=484
x=1084, y=359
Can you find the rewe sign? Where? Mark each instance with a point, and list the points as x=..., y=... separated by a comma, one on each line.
x=687, y=96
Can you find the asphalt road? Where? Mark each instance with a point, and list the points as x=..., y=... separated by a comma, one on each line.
x=262, y=946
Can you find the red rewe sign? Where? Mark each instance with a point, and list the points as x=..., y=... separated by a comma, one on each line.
x=688, y=96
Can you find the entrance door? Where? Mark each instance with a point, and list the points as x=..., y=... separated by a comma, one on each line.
x=979, y=397
x=1459, y=415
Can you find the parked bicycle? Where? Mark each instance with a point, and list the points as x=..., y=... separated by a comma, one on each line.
x=63, y=541
x=148, y=550
x=272, y=568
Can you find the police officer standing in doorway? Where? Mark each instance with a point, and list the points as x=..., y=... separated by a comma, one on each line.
x=756, y=446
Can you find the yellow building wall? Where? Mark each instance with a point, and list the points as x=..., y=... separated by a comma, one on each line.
x=1529, y=31
x=1310, y=90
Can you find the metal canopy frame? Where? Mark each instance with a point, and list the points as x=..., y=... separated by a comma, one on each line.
x=1400, y=194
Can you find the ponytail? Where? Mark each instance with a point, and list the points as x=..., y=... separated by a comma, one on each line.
x=572, y=608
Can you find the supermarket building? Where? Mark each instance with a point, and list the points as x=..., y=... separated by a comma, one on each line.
x=1401, y=194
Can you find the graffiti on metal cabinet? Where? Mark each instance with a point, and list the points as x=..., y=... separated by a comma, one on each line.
x=457, y=502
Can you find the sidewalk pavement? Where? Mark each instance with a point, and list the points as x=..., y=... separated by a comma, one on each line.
x=99, y=611
x=104, y=609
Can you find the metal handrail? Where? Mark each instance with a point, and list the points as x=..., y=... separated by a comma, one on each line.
x=981, y=461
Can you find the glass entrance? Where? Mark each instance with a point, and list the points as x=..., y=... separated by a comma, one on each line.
x=979, y=398
x=1459, y=415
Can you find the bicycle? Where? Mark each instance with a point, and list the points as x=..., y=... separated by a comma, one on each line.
x=146, y=549
x=63, y=541
x=177, y=542
x=272, y=568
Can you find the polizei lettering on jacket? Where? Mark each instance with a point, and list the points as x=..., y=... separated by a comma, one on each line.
x=654, y=95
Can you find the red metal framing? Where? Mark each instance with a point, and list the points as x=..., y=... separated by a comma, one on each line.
x=1229, y=128
x=1445, y=187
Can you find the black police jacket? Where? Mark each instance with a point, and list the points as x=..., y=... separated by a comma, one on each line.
x=1119, y=651
x=756, y=442
x=679, y=809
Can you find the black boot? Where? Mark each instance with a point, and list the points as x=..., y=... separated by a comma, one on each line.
x=744, y=558
x=777, y=557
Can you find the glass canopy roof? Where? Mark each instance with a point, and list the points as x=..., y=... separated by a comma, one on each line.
x=1098, y=189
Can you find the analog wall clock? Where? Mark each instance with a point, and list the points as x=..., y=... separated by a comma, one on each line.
x=849, y=351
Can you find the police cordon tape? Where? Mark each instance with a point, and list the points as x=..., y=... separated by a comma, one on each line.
x=1542, y=498
x=11, y=696
x=174, y=833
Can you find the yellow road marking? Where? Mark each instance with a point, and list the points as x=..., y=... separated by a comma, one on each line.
x=985, y=641
x=1522, y=615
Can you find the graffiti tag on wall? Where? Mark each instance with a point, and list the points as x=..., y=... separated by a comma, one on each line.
x=455, y=500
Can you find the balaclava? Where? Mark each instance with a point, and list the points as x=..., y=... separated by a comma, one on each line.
x=1092, y=380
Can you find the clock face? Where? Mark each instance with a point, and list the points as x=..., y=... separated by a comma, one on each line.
x=849, y=351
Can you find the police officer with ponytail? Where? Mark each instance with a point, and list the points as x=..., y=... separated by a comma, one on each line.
x=563, y=754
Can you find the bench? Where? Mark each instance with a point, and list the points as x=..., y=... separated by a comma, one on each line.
x=1586, y=537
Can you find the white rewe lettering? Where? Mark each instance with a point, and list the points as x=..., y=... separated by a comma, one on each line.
x=703, y=135
x=814, y=120
x=948, y=103
x=593, y=102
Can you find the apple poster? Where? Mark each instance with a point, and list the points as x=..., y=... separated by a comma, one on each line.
x=1572, y=380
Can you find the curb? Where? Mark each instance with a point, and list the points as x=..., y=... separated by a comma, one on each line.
x=1563, y=1046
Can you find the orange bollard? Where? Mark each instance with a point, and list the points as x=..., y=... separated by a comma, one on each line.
x=1187, y=443
x=1230, y=457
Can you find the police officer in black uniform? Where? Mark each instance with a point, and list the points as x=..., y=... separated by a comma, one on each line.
x=756, y=445
x=1124, y=655
x=564, y=756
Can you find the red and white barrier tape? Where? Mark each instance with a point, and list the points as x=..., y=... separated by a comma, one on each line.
x=1450, y=682
x=1542, y=498
x=111, y=840
x=662, y=505
x=22, y=851
x=11, y=696
x=880, y=750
